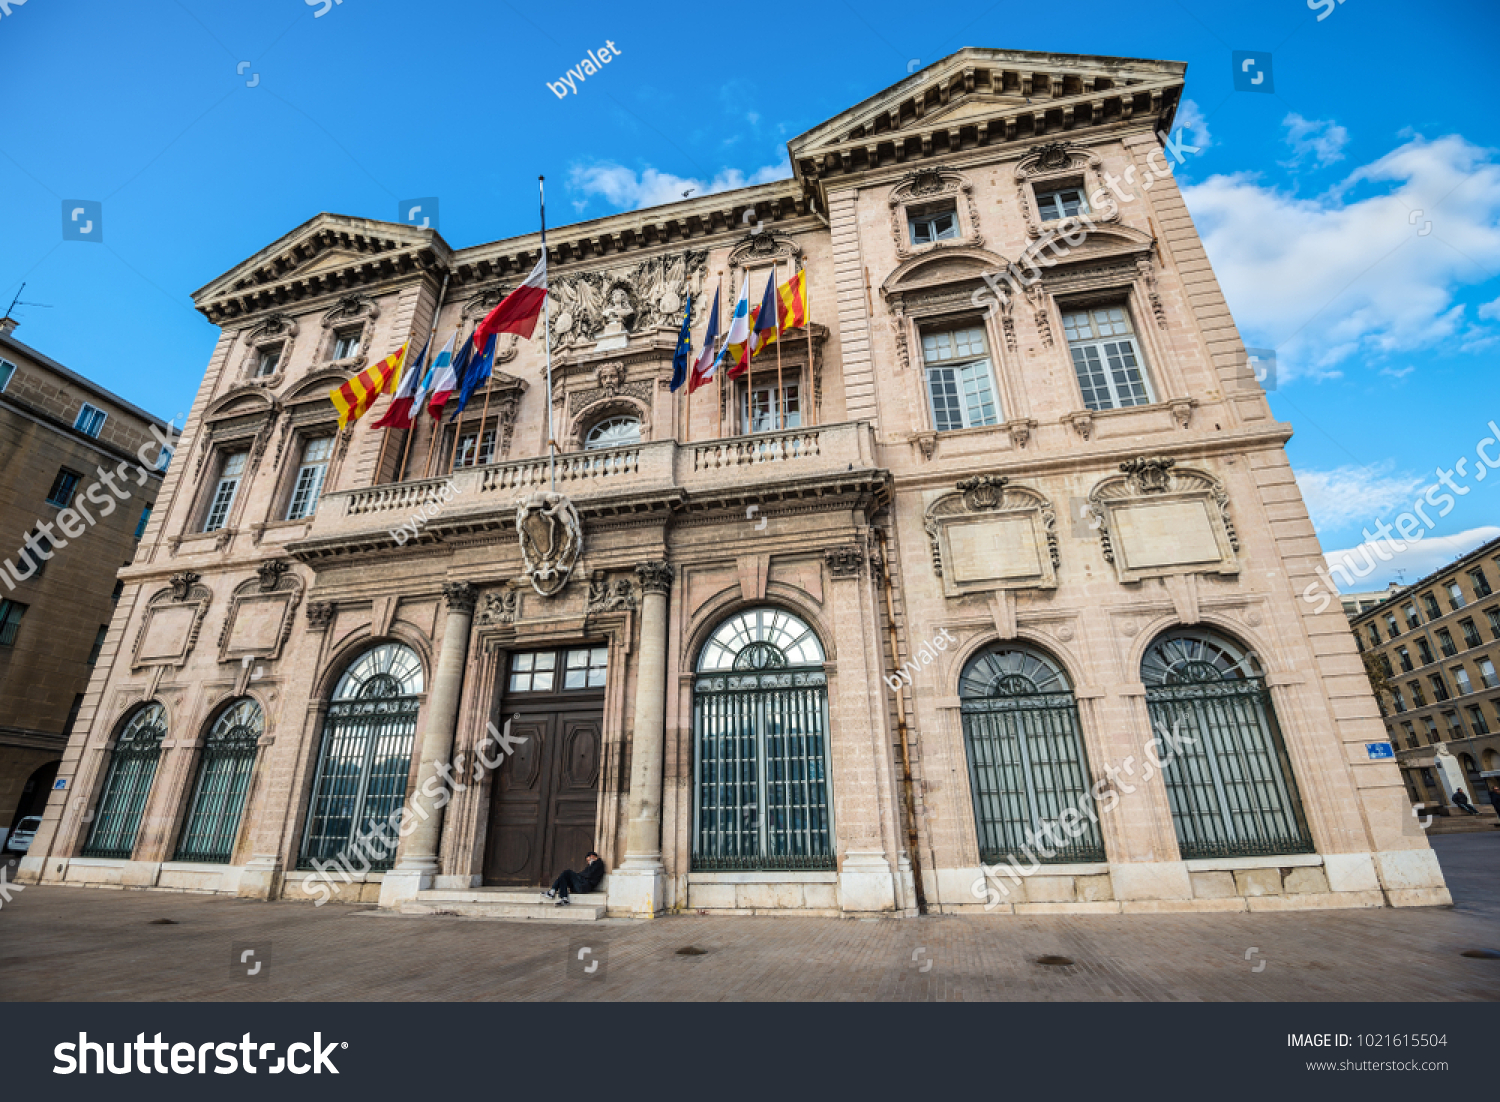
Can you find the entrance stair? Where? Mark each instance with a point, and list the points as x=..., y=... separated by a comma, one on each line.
x=505, y=903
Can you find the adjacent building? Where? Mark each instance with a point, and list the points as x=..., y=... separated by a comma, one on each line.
x=67, y=533
x=980, y=589
x=1432, y=649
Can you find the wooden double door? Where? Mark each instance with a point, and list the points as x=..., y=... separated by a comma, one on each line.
x=545, y=796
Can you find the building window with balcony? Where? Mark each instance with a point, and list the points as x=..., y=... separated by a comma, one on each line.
x=1455, y=596
x=773, y=416
x=1111, y=373
x=1390, y=625
x=933, y=223
x=10, y=621
x=1405, y=656
x=1418, y=698
x=475, y=449
x=1445, y=643
x=1477, y=720
x=959, y=383
x=1413, y=621
x=1424, y=651
x=1461, y=679
x=90, y=420
x=1430, y=603
x=1487, y=674
x=225, y=489
x=1472, y=637
x=63, y=486
x=1439, y=686
x=1494, y=618
x=310, y=475
x=1481, y=583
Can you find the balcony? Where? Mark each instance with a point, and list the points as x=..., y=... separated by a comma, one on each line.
x=832, y=463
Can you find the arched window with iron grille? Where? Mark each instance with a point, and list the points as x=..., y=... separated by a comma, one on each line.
x=760, y=746
x=1229, y=782
x=132, y=768
x=365, y=756
x=1027, y=762
x=224, y=770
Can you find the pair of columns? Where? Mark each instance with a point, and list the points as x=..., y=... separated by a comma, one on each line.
x=638, y=884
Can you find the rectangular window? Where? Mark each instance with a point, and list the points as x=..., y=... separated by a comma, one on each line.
x=1405, y=656
x=98, y=644
x=533, y=672
x=1461, y=679
x=958, y=379
x=1412, y=619
x=1374, y=631
x=1399, y=699
x=1106, y=359
x=1439, y=686
x=1411, y=736
x=931, y=225
x=63, y=486
x=1424, y=650
x=228, y=485
x=584, y=668
x=72, y=715
x=1063, y=203
x=1477, y=720
x=1455, y=595
x=1418, y=698
x=768, y=417
x=90, y=420
x=7, y=370
x=1445, y=643
x=1390, y=625
x=1494, y=617
x=1385, y=666
x=310, y=475
x=10, y=621
x=266, y=361
x=346, y=345
x=1472, y=637
x=1481, y=583
x=1430, y=603
x=1433, y=738
x=1487, y=674
x=1455, y=725
x=475, y=450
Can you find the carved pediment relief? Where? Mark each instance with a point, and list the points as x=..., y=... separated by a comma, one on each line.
x=1056, y=164
x=350, y=308
x=1156, y=518
x=639, y=298
x=762, y=248
x=992, y=535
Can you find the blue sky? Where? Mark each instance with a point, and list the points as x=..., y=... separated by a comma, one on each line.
x=1385, y=321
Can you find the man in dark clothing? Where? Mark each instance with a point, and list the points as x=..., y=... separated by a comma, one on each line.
x=1461, y=798
x=581, y=882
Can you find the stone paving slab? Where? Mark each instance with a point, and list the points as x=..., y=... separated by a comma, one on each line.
x=69, y=944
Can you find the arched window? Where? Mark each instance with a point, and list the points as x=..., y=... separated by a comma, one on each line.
x=760, y=738
x=365, y=757
x=132, y=767
x=223, y=780
x=614, y=432
x=1027, y=764
x=1229, y=783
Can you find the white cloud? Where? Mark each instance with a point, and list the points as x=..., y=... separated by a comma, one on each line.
x=1190, y=118
x=626, y=189
x=1355, y=495
x=1363, y=570
x=1321, y=139
x=1395, y=374
x=1490, y=310
x=1323, y=280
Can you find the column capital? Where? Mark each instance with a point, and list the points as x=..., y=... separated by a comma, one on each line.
x=656, y=577
x=461, y=596
x=845, y=562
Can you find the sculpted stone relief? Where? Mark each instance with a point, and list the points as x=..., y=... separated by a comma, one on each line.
x=649, y=295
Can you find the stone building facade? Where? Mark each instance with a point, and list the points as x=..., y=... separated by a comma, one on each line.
x=59, y=433
x=1432, y=649
x=902, y=611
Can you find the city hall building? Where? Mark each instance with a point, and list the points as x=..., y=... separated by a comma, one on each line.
x=981, y=590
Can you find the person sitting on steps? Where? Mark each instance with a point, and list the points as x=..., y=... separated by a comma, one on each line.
x=581, y=882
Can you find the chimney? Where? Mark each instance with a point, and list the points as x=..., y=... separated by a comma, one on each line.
x=7, y=326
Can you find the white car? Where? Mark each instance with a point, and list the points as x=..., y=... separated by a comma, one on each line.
x=20, y=838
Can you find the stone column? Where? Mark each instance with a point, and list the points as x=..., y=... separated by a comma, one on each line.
x=638, y=885
x=417, y=861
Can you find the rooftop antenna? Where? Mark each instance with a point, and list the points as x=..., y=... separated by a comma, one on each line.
x=17, y=302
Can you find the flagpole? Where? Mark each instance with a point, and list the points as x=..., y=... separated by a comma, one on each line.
x=749, y=363
x=688, y=404
x=812, y=392
x=431, y=332
x=780, y=388
x=541, y=183
x=385, y=434
x=719, y=416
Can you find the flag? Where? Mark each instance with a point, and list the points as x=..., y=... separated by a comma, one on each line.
x=398, y=416
x=792, y=306
x=703, y=370
x=739, y=323
x=684, y=353
x=434, y=369
x=354, y=399
x=446, y=381
x=480, y=369
x=518, y=311
x=765, y=319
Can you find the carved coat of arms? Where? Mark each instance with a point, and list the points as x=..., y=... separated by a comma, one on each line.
x=551, y=540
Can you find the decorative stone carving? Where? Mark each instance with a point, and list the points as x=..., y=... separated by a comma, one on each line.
x=926, y=443
x=644, y=296
x=1020, y=432
x=183, y=583
x=1182, y=411
x=1147, y=271
x=992, y=535
x=501, y=608
x=655, y=577
x=611, y=377
x=607, y=596
x=1083, y=423
x=174, y=617
x=261, y=613
x=983, y=491
x=1157, y=519
x=1054, y=160
x=757, y=248
x=460, y=596
x=1148, y=474
x=320, y=615
x=551, y=536
x=271, y=572
x=845, y=562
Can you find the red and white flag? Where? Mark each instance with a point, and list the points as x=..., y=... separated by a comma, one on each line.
x=518, y=311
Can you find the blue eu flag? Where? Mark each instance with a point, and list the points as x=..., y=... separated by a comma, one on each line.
x=684, y=353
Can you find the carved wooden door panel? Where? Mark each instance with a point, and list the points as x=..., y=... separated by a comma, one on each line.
x=518, y=806
x=574, y=788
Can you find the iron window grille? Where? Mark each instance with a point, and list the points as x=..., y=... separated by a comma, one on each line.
x=760, y=747
x=1455, y=596
x=1229, y=783
x=1424, y=650
x=224, y=772
x=1431, y=604
x=1027, y=762
x=1481, y=583
x=1413, y=621
x=132, y=768
x=364, y=759
x=1471, y=633
x=1106, y=358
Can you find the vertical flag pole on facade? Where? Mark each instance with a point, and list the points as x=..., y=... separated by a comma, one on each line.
x=547, y=335
x=416, y=417
x=780, y=388
x=719, y=416
x=812, y=393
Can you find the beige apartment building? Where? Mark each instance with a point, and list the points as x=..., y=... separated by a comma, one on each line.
x=1433, y=648
x=67, y=532
x=980, y=591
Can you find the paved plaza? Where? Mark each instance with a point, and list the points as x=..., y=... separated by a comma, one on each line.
x=84, y=944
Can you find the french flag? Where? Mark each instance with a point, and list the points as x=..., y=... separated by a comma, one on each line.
x=518, y=311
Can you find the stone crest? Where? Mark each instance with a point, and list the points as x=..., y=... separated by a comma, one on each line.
x=551, y=536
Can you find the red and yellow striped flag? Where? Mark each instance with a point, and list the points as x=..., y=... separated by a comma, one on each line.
x=354, y=399
x=792, y=304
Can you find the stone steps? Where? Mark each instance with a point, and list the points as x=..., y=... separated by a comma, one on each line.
x=1460, y=823
x=524, y=903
